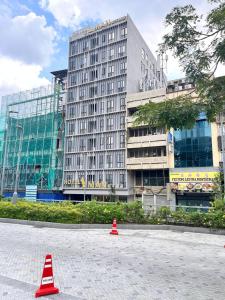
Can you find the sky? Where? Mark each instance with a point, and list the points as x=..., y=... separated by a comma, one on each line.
x=34, y=34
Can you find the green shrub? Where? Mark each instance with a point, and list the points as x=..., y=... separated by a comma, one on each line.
x=93, y=212
x=67, y=212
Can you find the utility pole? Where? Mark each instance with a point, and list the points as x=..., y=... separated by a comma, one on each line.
x=15, y=194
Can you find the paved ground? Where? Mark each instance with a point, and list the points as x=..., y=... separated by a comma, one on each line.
x=91, y=264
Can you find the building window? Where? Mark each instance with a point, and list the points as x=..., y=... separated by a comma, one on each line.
x=122, y=140
x=110, y=87
x=82, y=145
x=103, y=55
x=93, y=75
x=103, y=88
x=71, y=111
x=91, y=126
x=73, y=79
x=123, y=67
x=109, y=162
x=110, y=105
x=83, y=110
x=85, y=45
x=101, y=161
x=83, y=126
x=91, y=162
x=152, y=177
x=109, y=178
x=72, y=64
x=92, y=108
x=82, y=93
x=122, y=122
x=94, y=42
x=122, y=50
x=91, y=144
x=84, y=77
x=102, y=143
x=111, y=70
x=123, y=32
x=120, y=160
x=147, y=152
x=122, y=181
x=73, y=48
x=103, y=38
x=122, y=103
x=111, y=53
x=109, y=142
x=109, y=123
x=93, y=58
x=71, y=95
x=69, y=145
x=79, y=162
x=101, y=124
x=193, y=147
x=111, y=36
x=103, y=71
x=68, y=161
x=121, y=85
x=102, y=110
x=93, y=91
x=71, y=128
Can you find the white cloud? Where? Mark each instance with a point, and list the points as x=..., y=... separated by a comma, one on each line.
x=27, y=46
x=27, y=38
x=18, y=76
x=148, y=15
x=66, y=12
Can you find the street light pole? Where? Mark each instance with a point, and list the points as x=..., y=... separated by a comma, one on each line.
x=15, y=194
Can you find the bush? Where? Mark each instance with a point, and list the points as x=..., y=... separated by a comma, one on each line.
x=66, y=212
x=93, y=212
x=40, y=212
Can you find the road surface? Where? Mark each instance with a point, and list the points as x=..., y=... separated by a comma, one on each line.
x=91, y=264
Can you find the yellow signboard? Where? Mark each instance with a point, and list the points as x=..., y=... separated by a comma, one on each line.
x=193, y=181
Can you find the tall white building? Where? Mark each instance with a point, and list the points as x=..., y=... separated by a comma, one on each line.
x=105, y=63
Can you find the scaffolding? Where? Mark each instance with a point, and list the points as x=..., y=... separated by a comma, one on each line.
x=34, y=139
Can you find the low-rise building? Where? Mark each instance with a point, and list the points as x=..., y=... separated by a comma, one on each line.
x=175, y=167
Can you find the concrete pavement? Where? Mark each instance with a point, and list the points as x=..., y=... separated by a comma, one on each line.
x=91, y=264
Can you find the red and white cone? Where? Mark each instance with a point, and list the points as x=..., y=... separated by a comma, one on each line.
x=114, y=228
x=47, y=281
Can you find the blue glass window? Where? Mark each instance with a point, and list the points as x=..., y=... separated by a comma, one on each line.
x=193, y=147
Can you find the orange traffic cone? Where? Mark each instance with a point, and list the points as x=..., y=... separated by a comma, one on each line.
x=114, y=227
x=47, y=281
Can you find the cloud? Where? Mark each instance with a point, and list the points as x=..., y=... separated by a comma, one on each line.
x=66, y=12
x=27, y=38
x=18, y=76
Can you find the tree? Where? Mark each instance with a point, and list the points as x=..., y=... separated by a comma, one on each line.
x=199, y=44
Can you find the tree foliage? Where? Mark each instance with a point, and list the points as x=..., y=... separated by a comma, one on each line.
x=199, y=44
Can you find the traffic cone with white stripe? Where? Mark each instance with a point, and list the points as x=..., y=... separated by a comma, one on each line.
x=47, y=281
x=114, y=228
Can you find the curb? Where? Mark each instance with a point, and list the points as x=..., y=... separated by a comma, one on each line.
x=41, y=224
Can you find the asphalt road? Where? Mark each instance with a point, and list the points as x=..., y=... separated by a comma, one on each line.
x=91, y=264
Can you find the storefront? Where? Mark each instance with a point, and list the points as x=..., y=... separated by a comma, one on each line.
x=193, y=188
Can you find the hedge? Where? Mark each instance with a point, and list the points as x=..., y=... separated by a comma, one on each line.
x=66, y=212
x=93, y=212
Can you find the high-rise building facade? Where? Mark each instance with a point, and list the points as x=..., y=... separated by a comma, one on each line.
x=105, y=63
